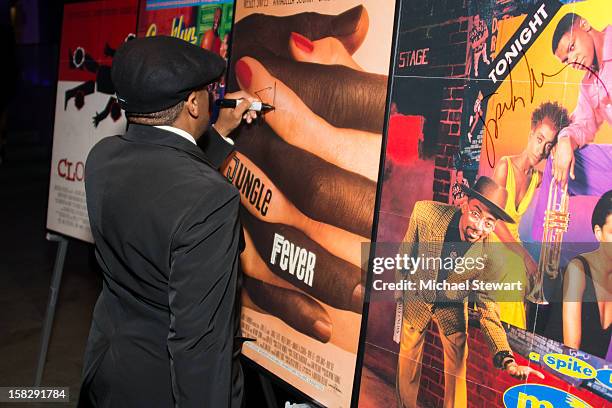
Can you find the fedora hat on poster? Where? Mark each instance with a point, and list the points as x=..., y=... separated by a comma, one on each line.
x=492, y=195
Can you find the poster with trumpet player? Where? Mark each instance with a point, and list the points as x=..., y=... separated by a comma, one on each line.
x=543, y=132
x=545, y=135
x=499, y=144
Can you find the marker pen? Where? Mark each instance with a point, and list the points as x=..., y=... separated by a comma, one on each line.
x=256, y=106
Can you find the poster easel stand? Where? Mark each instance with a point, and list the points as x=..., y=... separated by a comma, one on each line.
x=56, y=280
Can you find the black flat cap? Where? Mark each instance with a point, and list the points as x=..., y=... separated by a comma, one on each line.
x=151, y=74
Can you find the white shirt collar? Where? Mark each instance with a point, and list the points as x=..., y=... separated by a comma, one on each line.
x=179, y=132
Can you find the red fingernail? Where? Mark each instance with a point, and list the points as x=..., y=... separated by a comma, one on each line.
x=302, y=42
x=244, y=74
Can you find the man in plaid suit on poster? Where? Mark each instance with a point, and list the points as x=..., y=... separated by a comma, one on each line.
x=442, y=231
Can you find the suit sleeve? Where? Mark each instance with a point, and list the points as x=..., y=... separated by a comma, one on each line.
x=202, y=293
x=409, y=242
x=215, y=147
x=490, y=323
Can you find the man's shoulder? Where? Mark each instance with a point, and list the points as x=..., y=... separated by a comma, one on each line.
x=100, y=154
x=431, y=208
x=189, y=176
x=104, y=145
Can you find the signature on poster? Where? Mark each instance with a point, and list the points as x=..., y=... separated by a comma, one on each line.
x=259, y=95
x=491, y=126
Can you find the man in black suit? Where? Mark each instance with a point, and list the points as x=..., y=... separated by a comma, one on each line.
x=167, y=235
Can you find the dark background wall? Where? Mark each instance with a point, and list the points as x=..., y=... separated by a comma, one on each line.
x=447, y=24
x=36, y=26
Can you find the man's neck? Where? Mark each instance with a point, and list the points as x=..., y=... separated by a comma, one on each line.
x=178, y=131
x=598, y=42
x=522, y=162
x=179, y=124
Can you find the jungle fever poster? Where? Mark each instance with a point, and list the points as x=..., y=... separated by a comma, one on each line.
x=307, y=173
x=502, y=89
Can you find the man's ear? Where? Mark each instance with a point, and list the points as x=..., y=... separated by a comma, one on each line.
x=585, y=25
x=192, y=105
x=597, y=231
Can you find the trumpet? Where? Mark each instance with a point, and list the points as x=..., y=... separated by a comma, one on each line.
x=556, y=221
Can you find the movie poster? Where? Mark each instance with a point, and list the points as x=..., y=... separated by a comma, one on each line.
x=307, y=173
x=205, y=23
x=86, y=109
x=498, y=151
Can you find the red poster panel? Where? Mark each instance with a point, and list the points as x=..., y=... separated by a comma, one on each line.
x=86, y=109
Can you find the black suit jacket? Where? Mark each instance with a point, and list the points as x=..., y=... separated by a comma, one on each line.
x=167, y=235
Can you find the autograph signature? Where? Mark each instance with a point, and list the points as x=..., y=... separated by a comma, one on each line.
x=536, y=82
x=268, y=88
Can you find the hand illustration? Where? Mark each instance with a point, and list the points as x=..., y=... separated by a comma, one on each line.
x=521, y=372
x=320, y=190
x=281, y=294
x=310, y=317
x=97, y=118
x=317, y=154
x=563, y=162
x=335, y=282
x=333, y=111
x=277, y=209
x=530, y=265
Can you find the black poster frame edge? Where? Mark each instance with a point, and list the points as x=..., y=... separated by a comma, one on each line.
x=379, y=188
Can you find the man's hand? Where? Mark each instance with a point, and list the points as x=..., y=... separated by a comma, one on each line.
x=229, y=119
x=521, y=372
x=530, y=265
x=563, y=161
